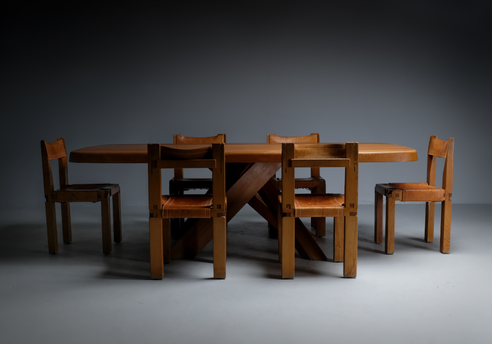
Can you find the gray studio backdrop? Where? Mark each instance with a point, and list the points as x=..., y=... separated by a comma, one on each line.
x=394, y=72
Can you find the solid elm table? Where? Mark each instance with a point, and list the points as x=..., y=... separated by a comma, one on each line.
x=250, y=168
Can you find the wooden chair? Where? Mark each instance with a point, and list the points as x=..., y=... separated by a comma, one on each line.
x=68, y=193
x=344, y=206
x=419, y=192
x=179, y=184
x=315, y=183
x=165, y=207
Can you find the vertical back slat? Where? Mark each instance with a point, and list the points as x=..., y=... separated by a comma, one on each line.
x=218, y=176
x=47, y=173
x=181, y=139
x=437, y=147
x=447, y=179
x=352, y=177
x=288, y=179
x=62, y=163
x=154, y=180
x=312, y=138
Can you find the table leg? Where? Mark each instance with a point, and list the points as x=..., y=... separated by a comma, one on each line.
x=199, y=232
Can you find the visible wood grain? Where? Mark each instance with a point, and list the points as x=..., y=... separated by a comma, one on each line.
x=338, y=238
x=288, y=246
x=350, y=249
x=445, y=243
x=261, y=208
x=236, y=152
x=378, y=217
x=390, y=224
x=200, y=233
x=421, y=192
x=314, y=183
x=156, y=248
x=220, y=246
x=430, y=210
x=320, y=205
x=306, y=244
x=67, y=193
x=210, y=208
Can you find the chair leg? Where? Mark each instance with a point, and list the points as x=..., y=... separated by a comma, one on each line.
x=166, y=240
x=429, y=221
x=390, y=224
x=288, y=247
x=378, y=217
x=176, y=224
x=117, y=217
x=338, y=238
x=106, y=223
x=220, y=246
x=445, y=244
x=51, y=226
x=350, y=250
x=279, y=232
x=66, y=223
x=156, y=248
x=319, y=223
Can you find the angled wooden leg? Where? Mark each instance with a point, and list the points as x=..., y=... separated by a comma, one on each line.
x=338, y=238
x=378, y=217
x=429, y=221
x=200, y=233
x=220, y=246
x=350, y=250
x=66, y=223
x=288, y=247
x=106, y=223
x=117, y=217
x=51, y=227
x=156, y=248
x=390, y=224
x=166, y=240
x=445, y=244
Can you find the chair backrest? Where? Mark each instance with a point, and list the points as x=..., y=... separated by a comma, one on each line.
x=209, y=156
x=312, y=138
x=54, y=151
x=441, y=149
x=181, y=139
x=344, y=155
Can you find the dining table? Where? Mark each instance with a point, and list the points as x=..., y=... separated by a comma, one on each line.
x=249, y=171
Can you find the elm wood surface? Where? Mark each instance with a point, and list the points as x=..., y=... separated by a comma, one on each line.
x=68, y=193
x=235, y=152
x=340, y=206
x=249, y=167
x=314, y=183
x=419, y=192
x=178, y=185
x=163, y=208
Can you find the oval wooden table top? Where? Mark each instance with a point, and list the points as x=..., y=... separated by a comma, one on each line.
x=235, y=152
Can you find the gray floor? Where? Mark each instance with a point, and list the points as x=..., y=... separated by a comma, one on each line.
x=418, y=295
